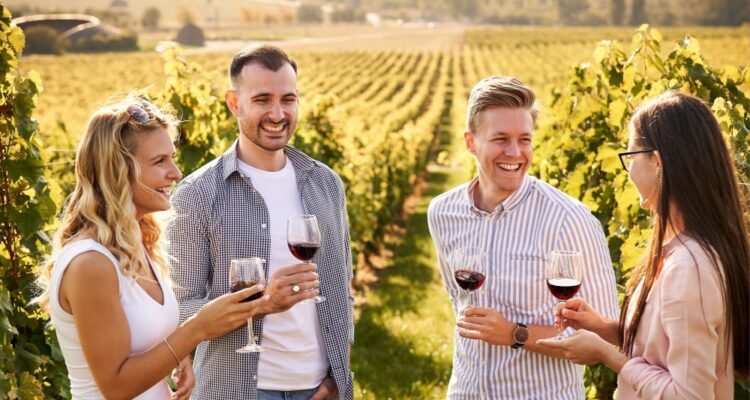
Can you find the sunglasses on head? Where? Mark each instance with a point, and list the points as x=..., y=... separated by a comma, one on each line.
x=140, y=112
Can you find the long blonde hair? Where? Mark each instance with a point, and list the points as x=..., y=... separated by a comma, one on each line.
x=102, y=202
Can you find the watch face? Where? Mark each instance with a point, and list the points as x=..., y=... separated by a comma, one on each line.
x=520, y=334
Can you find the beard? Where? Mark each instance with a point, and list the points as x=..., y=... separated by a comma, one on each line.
x=255, y=134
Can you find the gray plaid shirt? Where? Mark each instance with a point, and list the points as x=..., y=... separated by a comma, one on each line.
x=219, y=216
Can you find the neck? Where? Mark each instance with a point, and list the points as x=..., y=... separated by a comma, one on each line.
x=257, y=157
x=487, y=196
x=675, y=225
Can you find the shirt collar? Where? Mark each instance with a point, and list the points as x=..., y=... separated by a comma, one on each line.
x=301, y=162
x=515, y=198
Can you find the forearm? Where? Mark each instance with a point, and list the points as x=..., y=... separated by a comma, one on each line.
x=609, y=330
x=140, y=372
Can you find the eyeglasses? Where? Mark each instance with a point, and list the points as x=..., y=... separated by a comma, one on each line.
x=140, y=112
x=626, y=157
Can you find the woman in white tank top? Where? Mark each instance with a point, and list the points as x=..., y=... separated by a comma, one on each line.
x=106, y=285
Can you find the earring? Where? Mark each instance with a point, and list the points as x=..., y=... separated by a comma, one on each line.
x=658, y=173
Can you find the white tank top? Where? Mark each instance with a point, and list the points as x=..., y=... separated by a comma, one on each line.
x=149, y=322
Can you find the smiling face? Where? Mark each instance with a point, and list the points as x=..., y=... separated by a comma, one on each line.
x=642, y=171
x=502, y=146
x=265, y=104
x=154, y=154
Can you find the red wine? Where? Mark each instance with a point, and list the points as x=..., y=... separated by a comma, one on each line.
x=304, y=250
x=469, y=280
x=563, y=288
x=236, y=286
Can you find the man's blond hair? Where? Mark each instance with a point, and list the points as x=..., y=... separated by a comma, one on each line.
x=499, y=92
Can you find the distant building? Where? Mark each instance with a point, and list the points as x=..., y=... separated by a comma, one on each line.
x=73, y=27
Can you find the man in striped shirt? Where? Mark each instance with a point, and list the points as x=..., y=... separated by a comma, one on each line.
x=518, y=220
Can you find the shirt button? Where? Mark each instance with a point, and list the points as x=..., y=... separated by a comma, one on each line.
x=263, y=226
x=255, y=377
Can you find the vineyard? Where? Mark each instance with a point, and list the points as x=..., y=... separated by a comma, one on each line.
x=378, y=118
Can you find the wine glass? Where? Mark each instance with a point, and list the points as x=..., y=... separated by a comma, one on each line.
x=469, y=270
x=303, y=238
x=564, y=276
x=244, y=273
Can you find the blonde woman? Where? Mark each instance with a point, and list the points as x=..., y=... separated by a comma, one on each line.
x=105, y=283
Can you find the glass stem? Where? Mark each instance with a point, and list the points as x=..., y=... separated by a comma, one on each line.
x=250, y=333
x=560, y=324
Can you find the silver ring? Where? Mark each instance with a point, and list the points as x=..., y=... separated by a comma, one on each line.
x=295, y=289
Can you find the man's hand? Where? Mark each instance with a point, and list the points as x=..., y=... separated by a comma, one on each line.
x=327, y=389
x=486, y=324
x=290, y=285
x=185, y=380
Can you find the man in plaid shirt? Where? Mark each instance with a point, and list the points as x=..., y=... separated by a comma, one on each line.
x=237, y=206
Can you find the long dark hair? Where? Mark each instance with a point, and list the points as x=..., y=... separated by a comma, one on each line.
x=699, y=179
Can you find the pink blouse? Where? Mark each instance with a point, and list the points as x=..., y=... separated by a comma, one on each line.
x=680, y=351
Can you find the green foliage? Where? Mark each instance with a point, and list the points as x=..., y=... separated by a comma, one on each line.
x=150, y=18
x=30, y=363
x=591, y=115
x=44, y=40
x=102, y=43
x=309, y=13
x=207, y=127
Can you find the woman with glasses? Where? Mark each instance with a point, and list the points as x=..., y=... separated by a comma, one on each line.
x=105, y=284
x=684, y=326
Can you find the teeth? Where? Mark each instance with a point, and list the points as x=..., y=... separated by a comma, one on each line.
x=273, y=127
x=510, y=167
x=166, y=189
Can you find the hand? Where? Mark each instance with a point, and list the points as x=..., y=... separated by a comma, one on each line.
x=226, y=313
x=185, y=380
x=281, y=296
x=583, y=347
x=486, y=324
x=578, y=314
x=326, y=390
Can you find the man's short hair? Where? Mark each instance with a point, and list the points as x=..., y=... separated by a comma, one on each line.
x=270, y=57
x=499, y=92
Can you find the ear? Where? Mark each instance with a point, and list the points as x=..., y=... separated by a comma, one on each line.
x=230, y=97
x=658, y=159
x=469, y=141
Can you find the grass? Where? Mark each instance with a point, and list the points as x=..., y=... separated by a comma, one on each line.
x=404, y=332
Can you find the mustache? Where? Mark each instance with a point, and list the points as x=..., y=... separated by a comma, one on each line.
x=270, y=121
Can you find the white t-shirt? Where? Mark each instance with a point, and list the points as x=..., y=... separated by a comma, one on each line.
x=294, y=356
x=149, y=322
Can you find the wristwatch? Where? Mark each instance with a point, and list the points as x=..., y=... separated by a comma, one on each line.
x=520, y=335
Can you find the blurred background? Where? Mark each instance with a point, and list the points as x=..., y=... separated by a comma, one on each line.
x=383, y=87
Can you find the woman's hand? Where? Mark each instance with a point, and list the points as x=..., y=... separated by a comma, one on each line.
x=185, y=380
x=585, y=347
x=226, y=313
x=578, y=314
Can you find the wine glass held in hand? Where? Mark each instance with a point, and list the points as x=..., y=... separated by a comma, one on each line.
x=564, y=276
x=303, y=238
x=469, y=268
x=244, y=273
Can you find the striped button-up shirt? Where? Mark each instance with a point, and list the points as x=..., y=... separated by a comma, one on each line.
x=518, y=236
x=218, y=216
